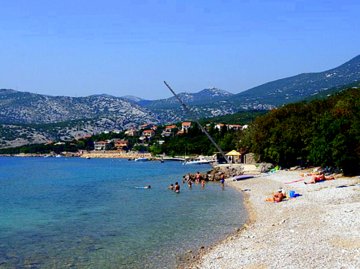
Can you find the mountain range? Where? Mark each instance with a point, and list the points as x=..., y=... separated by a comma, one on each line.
x=296, y=88
x=28, y=118
x=266, y=96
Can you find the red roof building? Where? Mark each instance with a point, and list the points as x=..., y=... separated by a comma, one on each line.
x=185, y=126
x=121, y=144
x=148, y=133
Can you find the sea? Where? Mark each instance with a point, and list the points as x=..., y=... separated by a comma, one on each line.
x=95, y=213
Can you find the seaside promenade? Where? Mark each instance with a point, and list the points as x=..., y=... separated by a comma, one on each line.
x=318, y=229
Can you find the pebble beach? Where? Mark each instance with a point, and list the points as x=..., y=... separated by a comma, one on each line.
x=320, y=228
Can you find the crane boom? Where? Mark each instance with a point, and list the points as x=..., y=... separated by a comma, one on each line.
x=201, y=127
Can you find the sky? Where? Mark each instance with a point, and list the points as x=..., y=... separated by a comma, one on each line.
x=79, y=48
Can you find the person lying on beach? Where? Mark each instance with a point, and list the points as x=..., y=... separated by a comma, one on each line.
x=319, y=178
x=277, y=197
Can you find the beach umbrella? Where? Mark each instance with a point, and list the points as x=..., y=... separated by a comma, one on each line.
x=233, y=156
x=233, y=153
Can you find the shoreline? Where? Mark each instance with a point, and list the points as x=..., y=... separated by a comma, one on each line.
x=90, y=154
x=195, y=260
x=191, y=260
x=314, y=230
x=109, y=154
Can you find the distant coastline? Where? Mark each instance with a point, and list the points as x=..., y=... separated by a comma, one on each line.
x=116, y=154
x=108, y=154
x=89, y=154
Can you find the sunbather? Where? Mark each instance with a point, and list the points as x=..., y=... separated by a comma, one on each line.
x=319, y=178
x=277, y=197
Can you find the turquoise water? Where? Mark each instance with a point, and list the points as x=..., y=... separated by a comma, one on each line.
x=79, y=213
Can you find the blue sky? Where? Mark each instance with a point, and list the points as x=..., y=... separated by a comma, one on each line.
x=79, y=48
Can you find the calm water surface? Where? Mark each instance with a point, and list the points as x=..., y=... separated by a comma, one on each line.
x=79, y=213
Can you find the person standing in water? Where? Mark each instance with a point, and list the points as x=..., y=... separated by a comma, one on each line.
x=222, y=180
x=177, y=187
x=197, y=177
x=204, y=180
x=202, y=183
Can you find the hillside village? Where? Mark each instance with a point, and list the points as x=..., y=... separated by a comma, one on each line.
x=144, y=140
x=151, y=133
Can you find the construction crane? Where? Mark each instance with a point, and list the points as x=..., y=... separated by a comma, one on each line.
x=187, y=110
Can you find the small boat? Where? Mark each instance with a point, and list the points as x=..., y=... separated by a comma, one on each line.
x=173, y=159
x=200, y=160
x=242, y=177
x=141, y=159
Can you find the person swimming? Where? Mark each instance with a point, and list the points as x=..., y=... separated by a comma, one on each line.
x=145, y=187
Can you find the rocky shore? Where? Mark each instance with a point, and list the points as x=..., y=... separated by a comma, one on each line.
x=320, y=228
x=232, y=170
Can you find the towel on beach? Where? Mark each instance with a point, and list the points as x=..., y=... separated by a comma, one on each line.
x=298, y=180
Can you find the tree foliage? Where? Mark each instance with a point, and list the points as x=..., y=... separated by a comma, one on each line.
x=321, y=132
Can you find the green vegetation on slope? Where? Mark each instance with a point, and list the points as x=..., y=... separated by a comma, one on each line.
x=322, y=132
x=195, y=142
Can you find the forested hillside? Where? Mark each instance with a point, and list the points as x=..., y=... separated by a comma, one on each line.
x=321, y=132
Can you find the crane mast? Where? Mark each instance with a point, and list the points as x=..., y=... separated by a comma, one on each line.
x=187, y=110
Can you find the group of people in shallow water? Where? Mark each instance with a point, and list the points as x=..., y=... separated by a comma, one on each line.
x=198, y=179
x=175, y=188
